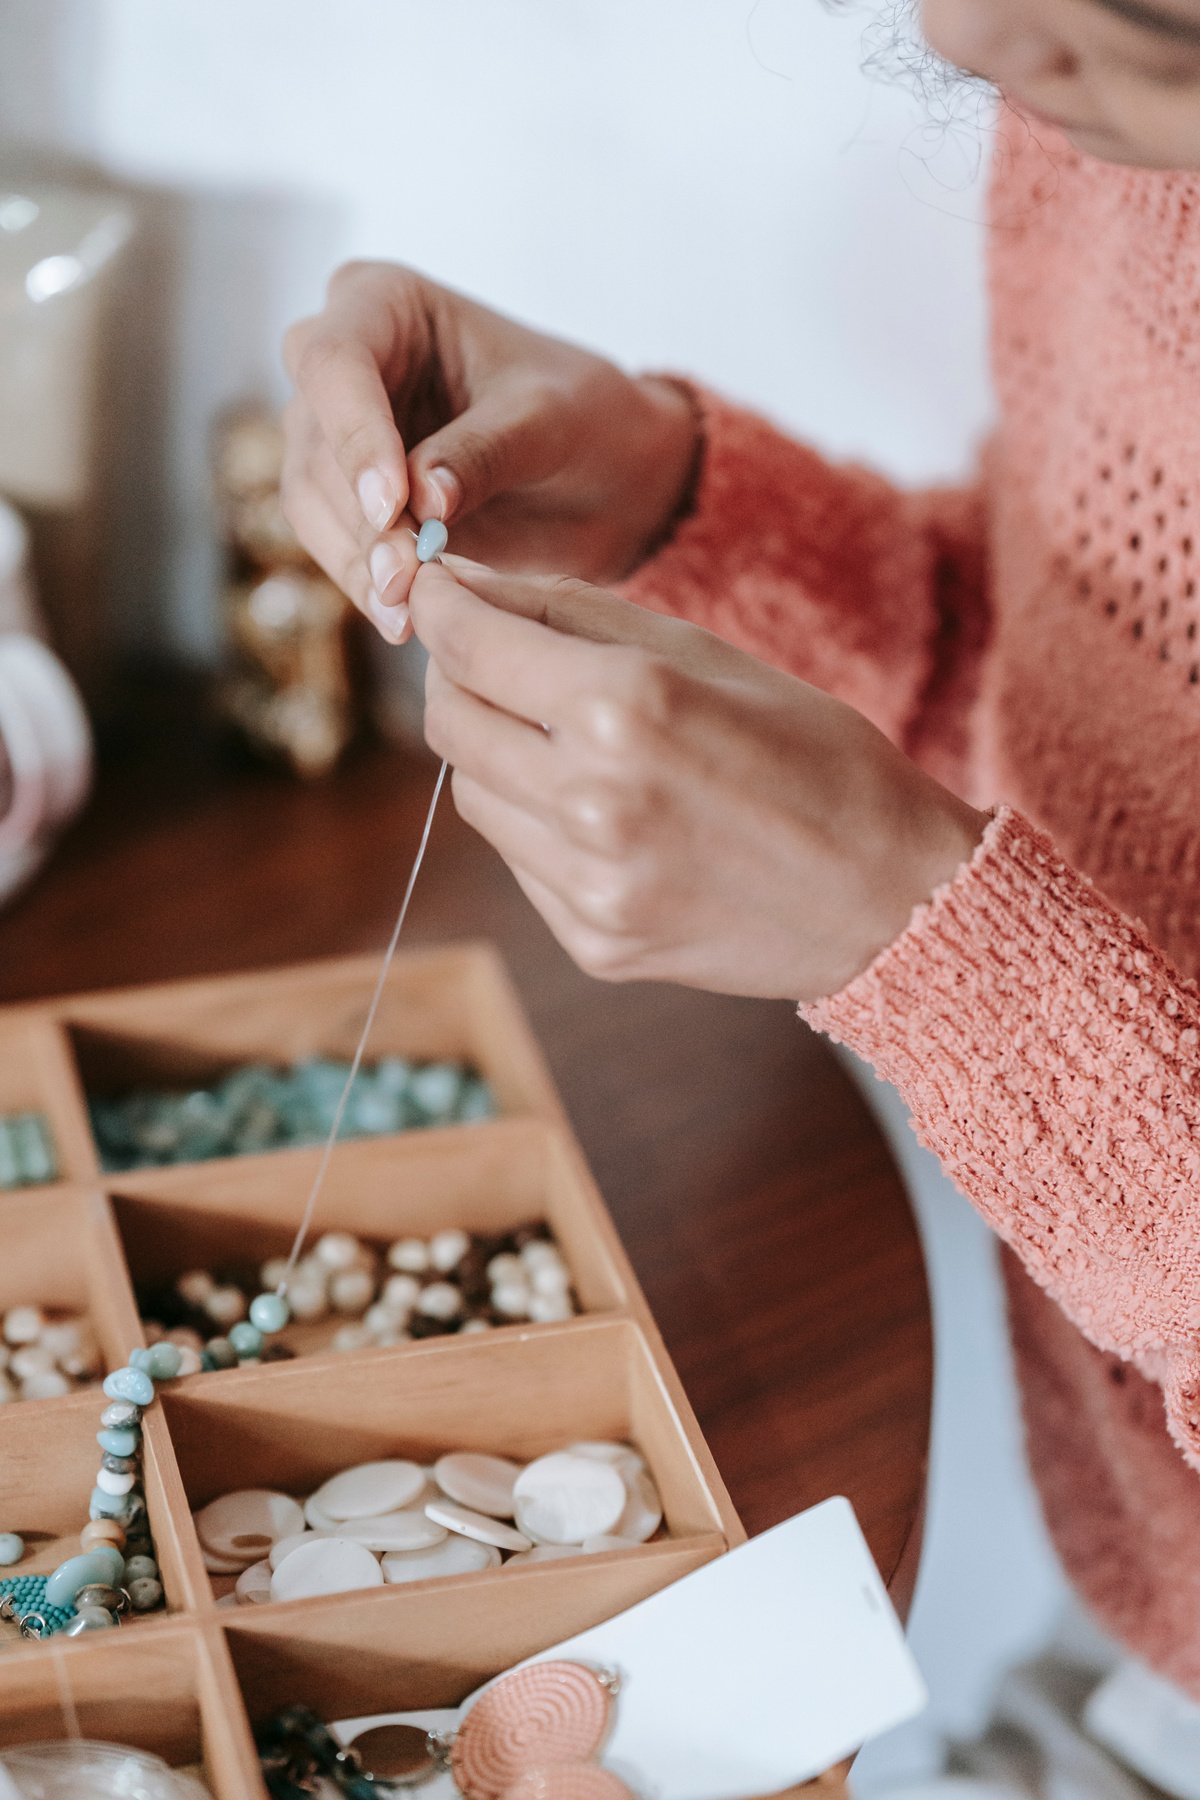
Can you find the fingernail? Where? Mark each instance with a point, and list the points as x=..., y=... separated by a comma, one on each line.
x=447, y=487
x=389, y=621
x=466, y=564
x=377, y=497
x=385, y=563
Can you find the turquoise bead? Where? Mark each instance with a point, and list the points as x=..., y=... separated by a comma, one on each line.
x=163, y=1361
x=140, y=1359
x=129, y=1384
x=119, y=1443
x=221, y=1352
x=103, y=1565
x=270, y=1312
x=431, y=540
x=104, y=1505
x=12, y=1549
x=246, y=1338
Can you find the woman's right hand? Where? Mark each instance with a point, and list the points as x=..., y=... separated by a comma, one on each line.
x=414, y=403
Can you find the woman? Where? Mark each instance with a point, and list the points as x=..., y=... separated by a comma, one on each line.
x=779, y=789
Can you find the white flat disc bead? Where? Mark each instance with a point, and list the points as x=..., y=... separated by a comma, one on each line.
x=643, y=1511
x=325, y=1566
x=398, y=1531
x=370, y=1489
x=109, y=1482
x=241, y=1526
x=543, y=1553
x=456, y=1555
x=622, y=1456
x=476, y=1525
x=254, y=1584
x=224, y=1565
x=484, y=1483
x=284, y=1546
x=318, y=1518
x=563, y=1498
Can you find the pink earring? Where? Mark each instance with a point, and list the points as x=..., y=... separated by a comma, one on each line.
x=530, y=1723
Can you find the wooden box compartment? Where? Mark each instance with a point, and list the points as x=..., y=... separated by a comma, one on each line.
x=291, y=1426
x=449, y=1005
x=487, y=1178
x=170, y=1692
x=167, y=1681
x=60, y=1254
x=48, y=1462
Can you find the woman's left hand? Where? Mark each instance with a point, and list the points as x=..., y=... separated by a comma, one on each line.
x=675, y=809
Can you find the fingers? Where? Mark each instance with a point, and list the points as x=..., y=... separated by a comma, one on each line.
x=374, y=571
x=572, y=607
x=504, y=754
x=513, y=662
x=335, y=360
x=508, y=439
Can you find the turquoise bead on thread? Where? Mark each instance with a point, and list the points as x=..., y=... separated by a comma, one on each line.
x=431, y=540
x=246, y=1338
x=129, y=1384
x=12, y=1549
x=103, y=1565
x=163, y=1361
x=270, y=1313
x=119, y=1443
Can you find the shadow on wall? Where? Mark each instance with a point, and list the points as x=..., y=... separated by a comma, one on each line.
x=199, y=309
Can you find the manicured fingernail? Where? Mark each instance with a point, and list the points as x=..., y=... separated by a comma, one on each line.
x=385, y=563
x=447, y=487
x=377, y=497
x=389, y=621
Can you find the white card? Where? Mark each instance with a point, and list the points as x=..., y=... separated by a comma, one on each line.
x=757, y=1671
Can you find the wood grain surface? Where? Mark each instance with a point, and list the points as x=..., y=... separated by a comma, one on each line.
x=758, y=1202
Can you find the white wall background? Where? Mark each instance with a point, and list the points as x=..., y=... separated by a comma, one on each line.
x=704, y=184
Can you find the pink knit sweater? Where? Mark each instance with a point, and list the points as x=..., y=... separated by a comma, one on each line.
x=1033, y=641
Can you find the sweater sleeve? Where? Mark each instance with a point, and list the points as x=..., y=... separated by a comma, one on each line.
x=1047, y=1052
x=871, y=593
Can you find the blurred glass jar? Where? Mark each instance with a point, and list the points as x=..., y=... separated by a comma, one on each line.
x=59, y=248
x=289, y=690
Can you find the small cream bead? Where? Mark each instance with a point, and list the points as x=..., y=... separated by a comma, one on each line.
x=400, y=1293
x=351, y=1291
x=338, y=1250
x=24, y=1324
x=440, y=1300
x=409, y=1255
x=112, y=1483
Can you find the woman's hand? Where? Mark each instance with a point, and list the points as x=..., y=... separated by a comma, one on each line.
x=675, y=809
x=414, y=403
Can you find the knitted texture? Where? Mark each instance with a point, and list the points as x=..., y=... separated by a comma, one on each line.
x=1033, y=641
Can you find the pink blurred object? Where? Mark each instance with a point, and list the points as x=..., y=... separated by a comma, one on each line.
x=45, y=738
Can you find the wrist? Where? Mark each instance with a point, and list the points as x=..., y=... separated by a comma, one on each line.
x=670, y=443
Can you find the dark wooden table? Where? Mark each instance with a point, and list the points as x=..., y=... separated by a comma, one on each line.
x=755, y=1195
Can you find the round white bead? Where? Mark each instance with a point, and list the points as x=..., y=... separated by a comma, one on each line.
x=351, y=1291
x=447, y=1249
x=195, y=1286
x=338, y=1250
x=225, y=1306
x=505, y=1268
x=512, y=1299
x=440, y=1300
x=473, y=1326
x=24, y=1324
x=48, y=1384
x=409, y=1255
x=550, y=1309
x=350, y=1337
x=112, y=1483
x=189, y=1360
x=307, y=1297
x=539, y=1254
x=31, y=1359
x=549, y=1278
x=381, y=1321
x=400, y=1293
x=273, y=1271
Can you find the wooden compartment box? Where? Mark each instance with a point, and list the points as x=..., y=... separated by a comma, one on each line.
x=189, y=1682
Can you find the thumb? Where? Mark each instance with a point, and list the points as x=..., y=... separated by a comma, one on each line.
x=511, y=436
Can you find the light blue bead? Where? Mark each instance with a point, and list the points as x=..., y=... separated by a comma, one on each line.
x=104, y=1505
x=104, y=1565
x=119, y=1443
x=431, y=540
x=129, y=1384
x=270, y=1312
x=246, y=1338
x=139, y=1359
x=163, y=1361
x=12, y=1549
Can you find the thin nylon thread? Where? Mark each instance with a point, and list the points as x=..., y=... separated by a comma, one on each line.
x=322, y=1167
